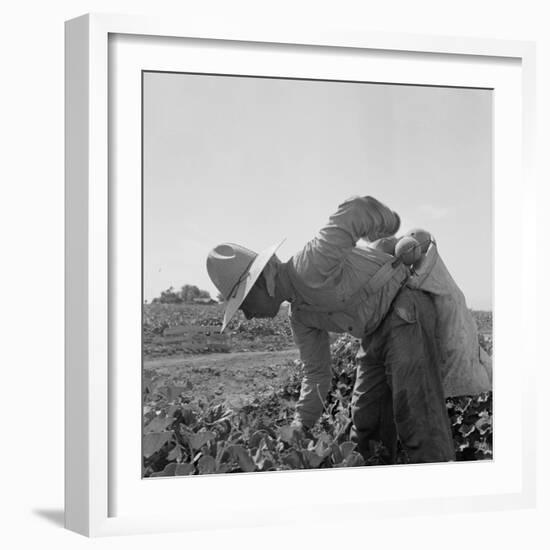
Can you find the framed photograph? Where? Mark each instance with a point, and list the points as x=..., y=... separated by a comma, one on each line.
x=271, y=239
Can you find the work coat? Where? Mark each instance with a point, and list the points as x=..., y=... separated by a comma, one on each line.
x=337, y=285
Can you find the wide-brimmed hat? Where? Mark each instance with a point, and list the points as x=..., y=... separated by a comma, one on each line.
x=234, y=269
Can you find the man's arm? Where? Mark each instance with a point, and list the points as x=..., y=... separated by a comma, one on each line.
x=356, y=218
x=314, y=349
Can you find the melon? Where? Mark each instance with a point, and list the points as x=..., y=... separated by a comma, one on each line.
x=408, y=250
x=386, y=244
x=423, y=237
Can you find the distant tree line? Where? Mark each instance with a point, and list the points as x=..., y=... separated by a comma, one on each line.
x=187, y=294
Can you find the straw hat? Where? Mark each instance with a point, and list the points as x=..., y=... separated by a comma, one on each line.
x=234, y=269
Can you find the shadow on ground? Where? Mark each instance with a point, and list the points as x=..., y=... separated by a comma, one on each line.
x=57, y=517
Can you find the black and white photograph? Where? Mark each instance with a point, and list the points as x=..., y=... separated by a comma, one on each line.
x=275, y=274
x=317, y=274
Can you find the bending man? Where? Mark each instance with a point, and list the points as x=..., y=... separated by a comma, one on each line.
x=335, y=286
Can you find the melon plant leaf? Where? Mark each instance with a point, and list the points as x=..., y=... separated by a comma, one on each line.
x=239, y=453
x=147, y=386
x=290, y=434
x=175, y=453
x=323, y=446
x=292, y=459
x=173, y=392
x=189, y=417
x=346, y=448
x=354, y=459
x=256, y=438
x=336, y=454
x=184, y=469
x=207, y=465
x=286, y=433
x=152, y=442
x=158, y=424
x=313, y=460
x=466, y=429
x=196, y=441
x=170, y=469
x=484, y=424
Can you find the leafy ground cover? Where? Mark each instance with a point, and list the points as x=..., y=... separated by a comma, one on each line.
x=254, y=335
x=190, y=432
x=229, y=378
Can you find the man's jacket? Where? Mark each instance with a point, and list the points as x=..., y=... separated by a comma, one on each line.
x=337, y=286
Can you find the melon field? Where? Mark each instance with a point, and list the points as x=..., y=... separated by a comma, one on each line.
x=211, y=412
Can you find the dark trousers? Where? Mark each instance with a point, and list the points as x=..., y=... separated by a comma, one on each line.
x=398, y=392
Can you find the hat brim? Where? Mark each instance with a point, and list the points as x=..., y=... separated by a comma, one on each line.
x=239, y=294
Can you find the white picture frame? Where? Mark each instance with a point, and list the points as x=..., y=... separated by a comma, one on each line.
x=93, y=399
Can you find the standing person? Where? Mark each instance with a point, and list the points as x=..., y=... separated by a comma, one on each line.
x=335, y=286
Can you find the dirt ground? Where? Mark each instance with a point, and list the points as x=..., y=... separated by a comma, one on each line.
x=235, y=378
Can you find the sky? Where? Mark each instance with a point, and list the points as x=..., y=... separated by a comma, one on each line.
x=253, y=160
